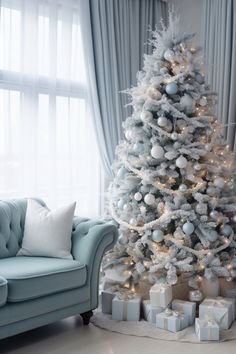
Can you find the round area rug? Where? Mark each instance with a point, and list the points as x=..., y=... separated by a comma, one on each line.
x=145, y=329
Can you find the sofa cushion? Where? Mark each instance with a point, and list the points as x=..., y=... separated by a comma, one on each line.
x=3, y=291
x=32, y=277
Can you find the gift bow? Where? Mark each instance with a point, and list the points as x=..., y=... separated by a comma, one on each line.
x=175, y=313
x=219, y=301
x=161, y=287
x=208, y=321
x=127, y=295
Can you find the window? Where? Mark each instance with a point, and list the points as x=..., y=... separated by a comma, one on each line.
x=47, y=143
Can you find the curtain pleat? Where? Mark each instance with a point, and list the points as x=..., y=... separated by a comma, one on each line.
x=220, y=55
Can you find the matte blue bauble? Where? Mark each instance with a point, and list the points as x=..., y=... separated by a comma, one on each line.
x=121, y=172
x=121, y=203
x=171, y=88
x=188, y=228
x=199, y=78
x=227, y=230
x=157, y=236
x=138, y=148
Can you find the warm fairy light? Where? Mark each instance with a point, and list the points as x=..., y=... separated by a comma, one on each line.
x=229, y=266
x=199, y=278
x=202, y=266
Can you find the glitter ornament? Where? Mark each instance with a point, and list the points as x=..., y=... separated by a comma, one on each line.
x=172, y=88
x=138, y=196
x=158, y=235
x=181, y=162
x=226, y=230
x=132, y=221
x=149, y=199
x=162, y=121
x=146, y=116
x=219, y=182
x=188, y=228
x=157, y=152
x=195, y=296
x=214, y=214
x=208, y=147
x=172, y=279
x=200, y=78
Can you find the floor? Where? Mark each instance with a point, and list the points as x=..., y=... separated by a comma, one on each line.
x=70, y=336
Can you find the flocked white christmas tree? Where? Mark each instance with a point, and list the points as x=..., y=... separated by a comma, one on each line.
x=173, y=191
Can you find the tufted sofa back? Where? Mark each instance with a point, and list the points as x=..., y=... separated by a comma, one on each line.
x=12, y=221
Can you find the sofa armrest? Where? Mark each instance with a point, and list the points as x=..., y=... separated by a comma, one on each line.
x=90, y=240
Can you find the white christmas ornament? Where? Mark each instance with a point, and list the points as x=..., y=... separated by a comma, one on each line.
x=162, y=121
x=157, y=152
x=146, y=116
x=219, y=182
x=188, y=228
x=183, y=187
x=138, y=196
x=169, y=55
x=174, y=136
x=149, y=199
x=154, y=93
x=203, y=102
x=181, y=162
x=197, y=167
x=128, y=134
x=212, y=236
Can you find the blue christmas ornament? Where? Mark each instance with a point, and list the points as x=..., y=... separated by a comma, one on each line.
x=138, y=148
x=157, y=235
x=227, y=230
x=121, y=172
x=199, y=78
x=188, y=228
x=171, y=88
x=121, y=204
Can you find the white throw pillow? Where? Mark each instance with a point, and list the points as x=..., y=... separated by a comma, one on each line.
x=47, y=233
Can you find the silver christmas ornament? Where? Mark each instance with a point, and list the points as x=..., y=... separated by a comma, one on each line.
x=212, y=235
x=181, y=162
x=208, y=147
x=132, y=221
x=197, y=167
x=157, y=152
x=203, y=102
x=162, y=121
x=183, y=187
x=174, y=136
x=138, y=196
x=195, y=296
x=127, y=207
x=214, y=214
x=146, y=116
x=149, y=199
x=169, y=55
x=121, y=172
x=219, y=182
x=226, y=230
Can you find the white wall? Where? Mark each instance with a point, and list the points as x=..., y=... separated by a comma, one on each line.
x=191, y=14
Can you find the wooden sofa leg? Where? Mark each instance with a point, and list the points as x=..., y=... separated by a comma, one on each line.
x=86, y=317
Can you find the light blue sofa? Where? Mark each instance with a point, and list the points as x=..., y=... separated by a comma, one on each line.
x=35, y=291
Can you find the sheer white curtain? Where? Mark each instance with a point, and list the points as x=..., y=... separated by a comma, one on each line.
x=47, y=143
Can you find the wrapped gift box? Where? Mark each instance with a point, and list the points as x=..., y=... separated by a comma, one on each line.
x=160, y=295
x=172, y=321
x=126, y=309
x=150, y=312
x=231, y=295
x=207, y=329
x=106, y=300
x=187, y=307
x=219, y=309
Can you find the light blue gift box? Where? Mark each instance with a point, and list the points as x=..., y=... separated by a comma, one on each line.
x=207, y=329
x=150, y=312
x=106, y=300
x=219, y=309
x=173, y=321
x=126, y=309
x=189, y=309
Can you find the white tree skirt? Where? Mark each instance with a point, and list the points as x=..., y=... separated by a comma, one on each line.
x=146, y=329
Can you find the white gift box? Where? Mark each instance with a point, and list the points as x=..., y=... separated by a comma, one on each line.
x=219, y=309
x=172, y=321
x=187, y=307
x=231, y=295
x=160, y=295
x=126, y=309
x=207, y=329
x=106, y=300
x=150, y=312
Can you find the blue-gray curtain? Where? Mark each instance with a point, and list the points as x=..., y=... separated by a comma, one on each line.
x=220, y=49
x=119, y=30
